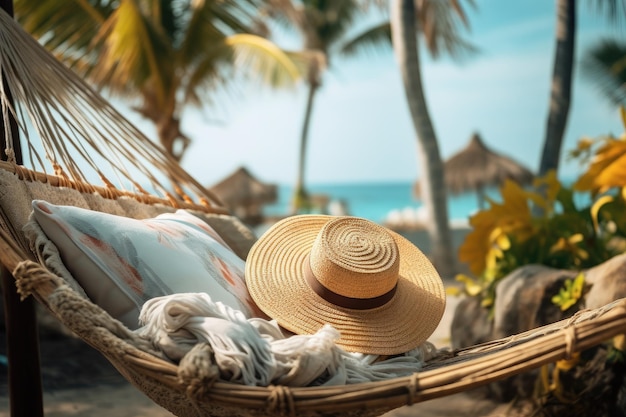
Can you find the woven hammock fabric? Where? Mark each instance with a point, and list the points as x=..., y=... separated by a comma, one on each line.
x=75, y=134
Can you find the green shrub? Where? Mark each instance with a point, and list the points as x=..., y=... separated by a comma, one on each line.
x=544, y=225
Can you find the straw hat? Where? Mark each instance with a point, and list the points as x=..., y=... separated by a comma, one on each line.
x=373, y=285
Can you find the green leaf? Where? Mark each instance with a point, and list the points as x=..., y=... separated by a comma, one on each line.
x=571, y=292
x=472, y=287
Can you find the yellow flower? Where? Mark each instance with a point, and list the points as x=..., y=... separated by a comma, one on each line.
x=607, y=169
x=570, y=245
x=492, y=228
x=471, y=286
x=595, y=210
x=549, y=187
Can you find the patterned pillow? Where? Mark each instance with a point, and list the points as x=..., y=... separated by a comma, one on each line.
x=122, y=262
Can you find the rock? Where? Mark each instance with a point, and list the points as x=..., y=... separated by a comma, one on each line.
x=607, y=281
x=524, y=302
x=524, y=299
x=470, y=324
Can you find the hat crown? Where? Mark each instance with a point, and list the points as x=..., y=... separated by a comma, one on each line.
x=355, y=258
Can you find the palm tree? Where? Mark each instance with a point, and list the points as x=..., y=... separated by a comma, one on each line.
x=159, y=55
x=323, y=27
x=560, y=95
x=605, y=65
x=435, y=20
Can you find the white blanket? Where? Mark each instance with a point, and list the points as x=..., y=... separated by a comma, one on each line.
x=256, y=352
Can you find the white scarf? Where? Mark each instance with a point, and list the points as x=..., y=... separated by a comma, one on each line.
x=256, y=352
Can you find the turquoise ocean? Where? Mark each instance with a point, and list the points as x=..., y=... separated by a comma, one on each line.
x=375, y=201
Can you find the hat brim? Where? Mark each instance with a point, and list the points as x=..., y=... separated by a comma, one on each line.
x=275, y=279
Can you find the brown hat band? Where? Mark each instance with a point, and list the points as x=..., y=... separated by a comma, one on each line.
x=342, y=300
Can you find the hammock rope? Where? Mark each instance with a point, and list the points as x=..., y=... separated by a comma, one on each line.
x=76, y=129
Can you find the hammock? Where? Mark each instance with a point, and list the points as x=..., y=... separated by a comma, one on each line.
x=62, y=119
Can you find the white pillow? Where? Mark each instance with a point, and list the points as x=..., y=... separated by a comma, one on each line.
x=122, y=262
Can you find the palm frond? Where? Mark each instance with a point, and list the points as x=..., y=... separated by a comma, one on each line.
x=284, y=12
x=439, y=23
x=438, y=20
x=247, y=56
x=263, y=60
x=67, y=27
x=132, y=54
x=327, y=22
x=373, y=39
x=234, y=16
x=604, y=64
x=206, y=76
x=614, y=10
x=199, y=36
x=460, y=12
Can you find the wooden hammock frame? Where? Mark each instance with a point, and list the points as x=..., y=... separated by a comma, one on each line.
x=201, y=395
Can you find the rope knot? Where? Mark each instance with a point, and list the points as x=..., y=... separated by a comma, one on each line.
x=197, y=370
x=29, y=276
x=571, y=340
x=412, y=388
x=281, y=401
x=10, y=154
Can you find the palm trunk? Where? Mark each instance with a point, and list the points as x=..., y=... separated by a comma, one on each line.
x=169, y=132
x=405, y=44
x=561, y=85
x=300, y=197
x=162, y=113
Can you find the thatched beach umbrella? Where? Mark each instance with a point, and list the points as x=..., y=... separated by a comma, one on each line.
x=244, y=194
x=477, y=167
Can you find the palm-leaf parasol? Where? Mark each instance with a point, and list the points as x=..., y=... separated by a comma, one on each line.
x=477, y=167
x=244, y=194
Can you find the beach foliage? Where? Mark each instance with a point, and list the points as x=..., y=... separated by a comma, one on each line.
x=162, y=57
x=570, y=293
x=564, y=226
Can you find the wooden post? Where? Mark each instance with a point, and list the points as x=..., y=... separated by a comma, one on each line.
x=24, y=376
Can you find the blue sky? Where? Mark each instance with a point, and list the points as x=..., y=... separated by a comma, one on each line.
x=361, y=130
